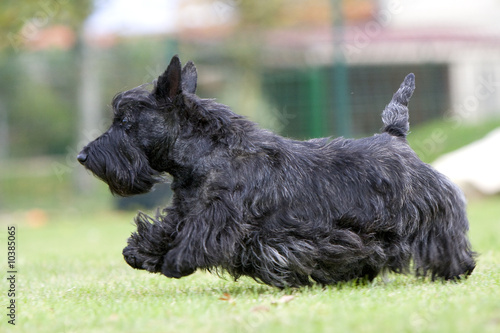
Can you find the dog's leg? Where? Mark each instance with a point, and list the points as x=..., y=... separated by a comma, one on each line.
x=149, y=244
x=207, y=239
x=441, y=246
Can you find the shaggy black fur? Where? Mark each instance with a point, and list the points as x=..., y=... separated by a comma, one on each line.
x=284, y=212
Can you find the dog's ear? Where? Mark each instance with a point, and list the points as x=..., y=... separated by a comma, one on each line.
x=169, y=83
x=189, y=78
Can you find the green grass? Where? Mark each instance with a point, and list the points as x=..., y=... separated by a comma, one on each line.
x=72, y=278
x=439, y=137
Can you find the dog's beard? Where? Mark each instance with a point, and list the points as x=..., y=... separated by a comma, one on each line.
x=122, y=166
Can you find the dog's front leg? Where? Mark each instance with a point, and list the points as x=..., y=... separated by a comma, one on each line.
x=183, y=259
x=149, y=244
x=206, y=240
x=176, y=267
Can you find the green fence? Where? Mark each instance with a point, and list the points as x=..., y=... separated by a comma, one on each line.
x=308, y=96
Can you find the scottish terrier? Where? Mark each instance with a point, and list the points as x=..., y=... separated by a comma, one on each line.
x=286, y=213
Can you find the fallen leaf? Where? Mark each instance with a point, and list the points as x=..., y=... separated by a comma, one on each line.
x=113, y=317
x=226, y=297
x=260, y=308
x=36, y=218
x=284, y=299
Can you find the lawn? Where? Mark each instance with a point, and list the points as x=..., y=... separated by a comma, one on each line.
x=441, y=136
x=72, y=278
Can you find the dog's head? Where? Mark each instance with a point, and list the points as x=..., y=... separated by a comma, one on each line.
x=131, y=155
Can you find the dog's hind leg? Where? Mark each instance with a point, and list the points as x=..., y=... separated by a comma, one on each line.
x=441, y=246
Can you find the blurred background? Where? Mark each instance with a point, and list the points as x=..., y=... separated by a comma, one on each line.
x=301, y=68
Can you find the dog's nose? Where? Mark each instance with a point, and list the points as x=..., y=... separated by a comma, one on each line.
x=82, y=157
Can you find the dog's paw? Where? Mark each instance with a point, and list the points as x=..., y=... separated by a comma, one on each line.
x=177, y=274
x=133, y=258
x=139, y=260
x=172, y=270
x=147, y=246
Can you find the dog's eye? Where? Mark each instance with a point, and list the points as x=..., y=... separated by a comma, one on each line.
x=126, y=123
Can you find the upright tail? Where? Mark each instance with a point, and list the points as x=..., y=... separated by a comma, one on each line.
x=395, y=114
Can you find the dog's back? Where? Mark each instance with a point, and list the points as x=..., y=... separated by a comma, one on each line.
x=373, y=195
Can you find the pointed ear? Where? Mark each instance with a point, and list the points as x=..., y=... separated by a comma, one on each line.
x=189, y=78
x=168, y=84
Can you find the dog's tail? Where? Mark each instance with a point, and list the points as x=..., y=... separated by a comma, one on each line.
x=395, y=114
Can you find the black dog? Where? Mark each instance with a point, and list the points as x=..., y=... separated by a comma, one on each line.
x=284, y=212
